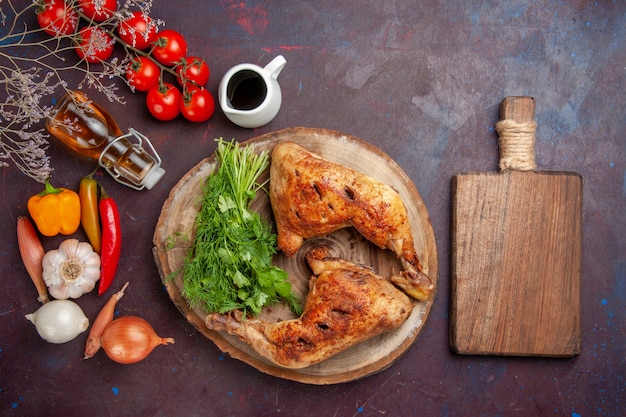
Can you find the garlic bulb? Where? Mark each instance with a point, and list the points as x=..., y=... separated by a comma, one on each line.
x=72, y=270
x=59, y=321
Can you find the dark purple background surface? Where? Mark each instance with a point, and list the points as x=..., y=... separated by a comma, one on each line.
x=422, y=81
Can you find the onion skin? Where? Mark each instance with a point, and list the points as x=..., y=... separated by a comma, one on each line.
x=32, y=254
x=130, y=339
x=103, y=319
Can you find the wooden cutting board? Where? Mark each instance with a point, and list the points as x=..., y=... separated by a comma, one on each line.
x=516, y=251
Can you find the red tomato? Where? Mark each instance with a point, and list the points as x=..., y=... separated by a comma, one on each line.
x=169, y=47
x=98, y=10
x=56, y=18
x=163, y=101
x=138, y=30
x=193, y=69
x=94, y=44
x=197, y=105
x=142, y=73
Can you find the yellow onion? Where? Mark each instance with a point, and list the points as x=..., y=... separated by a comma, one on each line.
x=130, y=339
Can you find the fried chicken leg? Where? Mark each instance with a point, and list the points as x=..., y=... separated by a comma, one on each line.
x=313, y=197
x=346, y=304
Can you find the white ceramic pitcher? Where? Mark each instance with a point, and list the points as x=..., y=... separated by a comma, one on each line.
x=250, y=95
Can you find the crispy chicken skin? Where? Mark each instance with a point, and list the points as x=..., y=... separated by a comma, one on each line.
x=313, y=197
x=347, y=304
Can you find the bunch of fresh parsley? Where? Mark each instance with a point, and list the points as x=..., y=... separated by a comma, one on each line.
x=229, y=266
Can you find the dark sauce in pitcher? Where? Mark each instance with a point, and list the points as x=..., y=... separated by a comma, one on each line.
x=246, y=90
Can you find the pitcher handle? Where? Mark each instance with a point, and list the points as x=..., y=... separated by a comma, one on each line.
x=275, y=66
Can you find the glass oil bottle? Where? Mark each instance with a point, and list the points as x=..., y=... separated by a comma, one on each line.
x=87, y=129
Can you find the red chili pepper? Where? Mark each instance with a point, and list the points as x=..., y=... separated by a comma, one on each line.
x=111, y=241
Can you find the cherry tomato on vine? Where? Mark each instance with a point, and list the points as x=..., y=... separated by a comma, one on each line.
x=193, y=69
x=142, y=73
x=197, y=104
x=169, y=47
x=94, y=44
x=163, y=101
x=56, y=18
x=138, y=30
x=98, y=10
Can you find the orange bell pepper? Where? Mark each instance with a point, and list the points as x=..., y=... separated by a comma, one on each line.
x=55, y=210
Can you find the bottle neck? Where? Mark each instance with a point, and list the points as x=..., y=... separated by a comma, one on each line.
x=129, y=163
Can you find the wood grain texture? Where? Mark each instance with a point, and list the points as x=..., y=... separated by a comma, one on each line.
x=516, y=255
x=177, y=219
x=516, y=260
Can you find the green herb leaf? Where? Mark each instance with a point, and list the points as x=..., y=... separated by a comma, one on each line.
x=225, y=203
x=229, y=266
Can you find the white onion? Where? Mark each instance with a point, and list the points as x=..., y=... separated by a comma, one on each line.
x=59, y=321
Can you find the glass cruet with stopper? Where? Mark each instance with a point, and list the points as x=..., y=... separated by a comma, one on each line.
x=86, y=128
